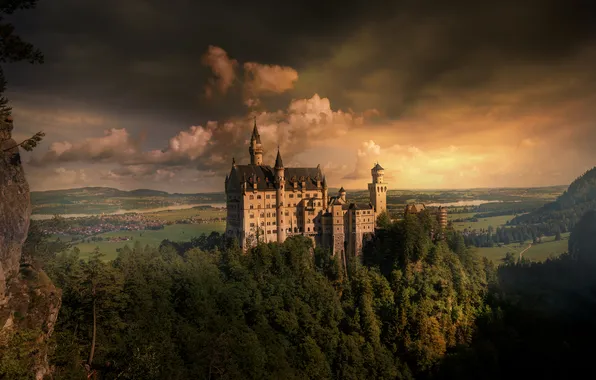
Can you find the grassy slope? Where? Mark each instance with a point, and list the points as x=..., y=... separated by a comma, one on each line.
x=176, y=232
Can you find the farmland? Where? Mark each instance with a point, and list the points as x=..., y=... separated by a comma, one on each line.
x=469, y=211
x=174, y=232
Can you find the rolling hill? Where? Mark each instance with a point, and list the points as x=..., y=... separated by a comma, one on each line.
x=562, y=214
x=106, y=199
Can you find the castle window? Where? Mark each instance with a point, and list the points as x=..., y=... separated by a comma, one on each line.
x=251, y=206
x=259, y=205
x=252, y=216
x=258, y=196
x=268, y=196
x=273, y=223
x=251, y=197
x=252, y=224
x=268, y=223
x=268, y=215
x=274, y=231
x=299, y=195
x=308, y=229
x=291, y=195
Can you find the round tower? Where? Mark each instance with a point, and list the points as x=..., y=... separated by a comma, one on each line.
x=325, y=193
x=256, y=148
x=442, y=217
x=378, y=189
x=280, y=182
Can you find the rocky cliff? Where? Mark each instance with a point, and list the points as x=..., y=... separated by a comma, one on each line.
x=29, y=302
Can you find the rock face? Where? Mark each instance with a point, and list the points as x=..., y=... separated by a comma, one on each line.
x=29, y=302
x=15, y=208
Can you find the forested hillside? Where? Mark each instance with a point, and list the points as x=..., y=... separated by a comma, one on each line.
x=562, y=214
x=413, y=308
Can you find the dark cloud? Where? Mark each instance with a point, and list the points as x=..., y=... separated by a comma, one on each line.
x=444, y=70
x=145, y=55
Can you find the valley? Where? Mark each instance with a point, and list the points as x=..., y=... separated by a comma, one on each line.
x=110, y=219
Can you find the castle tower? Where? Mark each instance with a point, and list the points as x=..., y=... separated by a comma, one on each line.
x=256, y=148
x=378, y=189
x=325, y=193
x=342, y=194
x=442, y=217
x=279, y=198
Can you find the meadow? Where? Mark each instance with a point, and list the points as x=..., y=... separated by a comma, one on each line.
x=481, y=224
x=174, y=215
x=174, y=232
x=537, y=252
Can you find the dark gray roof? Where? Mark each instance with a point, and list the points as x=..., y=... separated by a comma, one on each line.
x=342, y=190
x=278, y=162
x=361, y=206
x=356, y=206
x=378, y=167
x=265, y=176
x=255, y=133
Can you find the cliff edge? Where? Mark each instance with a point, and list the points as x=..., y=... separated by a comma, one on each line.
x=29, y=302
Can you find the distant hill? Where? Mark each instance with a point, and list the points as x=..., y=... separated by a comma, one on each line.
x=106, y=199
x=106, y=192
x=562, y=214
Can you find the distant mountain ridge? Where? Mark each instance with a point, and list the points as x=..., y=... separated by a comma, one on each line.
x=97, y=200
x=111, y=192
x=562, y=214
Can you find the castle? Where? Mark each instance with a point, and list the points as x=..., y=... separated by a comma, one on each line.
x=266, y=204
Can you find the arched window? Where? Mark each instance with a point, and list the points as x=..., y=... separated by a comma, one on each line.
x=251, y=197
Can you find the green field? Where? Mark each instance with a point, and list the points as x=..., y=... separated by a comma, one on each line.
x=537, y=252
x=482, y=223
x=175, y=232
x=173, y=215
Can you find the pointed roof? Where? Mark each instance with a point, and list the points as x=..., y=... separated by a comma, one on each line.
x=378, y=167
x=278, y=162
x=342, y=190
x=255, y=133
x=324, y=182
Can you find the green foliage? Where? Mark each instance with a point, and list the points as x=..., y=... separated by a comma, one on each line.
x=16, y=358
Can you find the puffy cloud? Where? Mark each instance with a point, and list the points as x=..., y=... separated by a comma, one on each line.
x=115, y=145
x=59, y=178
x=305, y=124
x=223, y=68
x=262, y=79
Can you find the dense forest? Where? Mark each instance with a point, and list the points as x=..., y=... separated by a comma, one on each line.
x=410, y=307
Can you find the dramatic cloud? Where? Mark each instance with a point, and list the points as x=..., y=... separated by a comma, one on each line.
x=223, y=68
x=508, y=85
x=262, y=79
x=116, y=144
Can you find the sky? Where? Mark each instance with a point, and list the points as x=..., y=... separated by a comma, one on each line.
x=163, y=94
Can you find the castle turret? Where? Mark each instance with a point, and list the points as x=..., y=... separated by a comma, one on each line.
x=342, y=194
x=279, y=198
x=378, y=189
x=256, y=148
x=325, y=193
x=442, y=217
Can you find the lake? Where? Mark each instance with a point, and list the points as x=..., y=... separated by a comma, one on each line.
x=132, y=211
x=474, y=202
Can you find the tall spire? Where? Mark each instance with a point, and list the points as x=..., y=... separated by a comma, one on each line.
x=278, y=162
x=255, y=132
